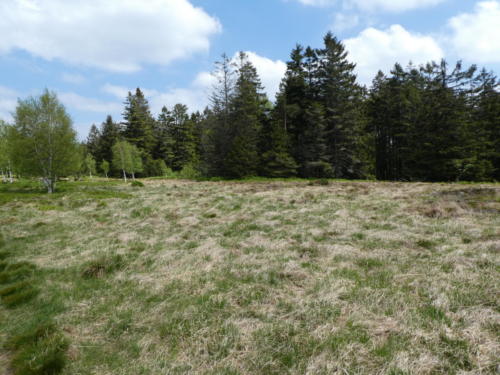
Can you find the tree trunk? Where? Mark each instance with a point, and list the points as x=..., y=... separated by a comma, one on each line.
x=49, y=184
x=106, y=175
x=124, y=175
x=133, y=176
x=11, y=178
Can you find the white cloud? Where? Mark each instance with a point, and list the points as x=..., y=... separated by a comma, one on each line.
x=81, y=103
x=270, y=72
x=8, y=103
x=476, y=36
x=196, y=95
x=116, y=35
x=342, y=22
x=75, y=79
x=376, y=5
x=374, y=50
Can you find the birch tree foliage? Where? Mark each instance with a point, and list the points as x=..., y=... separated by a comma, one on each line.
x=5, y=159
x=122, y=158
x=105, y=167
x=43, y=140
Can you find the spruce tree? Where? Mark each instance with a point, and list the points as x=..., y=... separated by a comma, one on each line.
x=92, y=143
x=341, y=97
x=138, y=122
x=109, y=135
x=275, y=158
x=216, y=140
x=182, y=134
x=164, y=147
x=248, y=106
x=484, y=132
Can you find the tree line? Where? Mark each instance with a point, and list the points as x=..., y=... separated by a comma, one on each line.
x=433, y=122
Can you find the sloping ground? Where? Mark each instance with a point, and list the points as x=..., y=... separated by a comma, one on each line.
x=262, y=278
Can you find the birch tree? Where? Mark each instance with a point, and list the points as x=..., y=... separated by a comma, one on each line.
x=5, y=157
x=105, y=167
x=122, y=158
x=43, y=140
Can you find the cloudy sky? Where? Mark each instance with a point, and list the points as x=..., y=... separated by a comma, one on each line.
x=92, y=52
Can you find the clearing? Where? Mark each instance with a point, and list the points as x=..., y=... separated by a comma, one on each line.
x=258, y=277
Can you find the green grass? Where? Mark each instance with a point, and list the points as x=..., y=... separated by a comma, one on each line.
x=261, y=276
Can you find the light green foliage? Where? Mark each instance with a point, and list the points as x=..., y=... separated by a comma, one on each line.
x=105, y=167
x=89, y=165
x=43, y=141
x=136, y=165
x=122, y=157
x=5, y=152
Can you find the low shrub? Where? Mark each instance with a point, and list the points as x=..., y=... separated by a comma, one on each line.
x=136, y=184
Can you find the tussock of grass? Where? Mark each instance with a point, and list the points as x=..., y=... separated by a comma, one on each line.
x=16, y=271
x=103, y=266
x=39, y=351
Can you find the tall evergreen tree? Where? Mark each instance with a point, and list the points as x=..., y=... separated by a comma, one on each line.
x=341, y=97
x=218, y=135
x=248, y=106
x=484, y=132
x=93, y=140
x=138, y=122
x=182, y=134
x=164, y=148
x=442, y=139
x=109, y=135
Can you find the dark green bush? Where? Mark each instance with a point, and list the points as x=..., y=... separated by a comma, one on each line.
x=137, y=184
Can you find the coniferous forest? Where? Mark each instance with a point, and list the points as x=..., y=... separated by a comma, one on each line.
x=435, y=122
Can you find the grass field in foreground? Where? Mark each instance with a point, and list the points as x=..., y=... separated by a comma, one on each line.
x=264, y=277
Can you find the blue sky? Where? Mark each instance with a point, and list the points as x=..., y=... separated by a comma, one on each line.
x=91, y=53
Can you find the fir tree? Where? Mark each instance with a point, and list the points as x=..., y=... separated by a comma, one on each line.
x=248, y=106
x=138, y=122
x=341, y=97
x=93, y=140
x=109, y=135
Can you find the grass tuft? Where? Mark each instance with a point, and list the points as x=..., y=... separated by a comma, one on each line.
x=103, y=266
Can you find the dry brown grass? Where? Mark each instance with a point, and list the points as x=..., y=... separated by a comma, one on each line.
x=275, y=277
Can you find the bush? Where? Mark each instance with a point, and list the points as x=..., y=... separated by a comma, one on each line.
x=319, y=169
x=189, y=172
x=136, y=184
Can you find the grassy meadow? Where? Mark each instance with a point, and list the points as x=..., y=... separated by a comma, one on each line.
x=251, y=277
